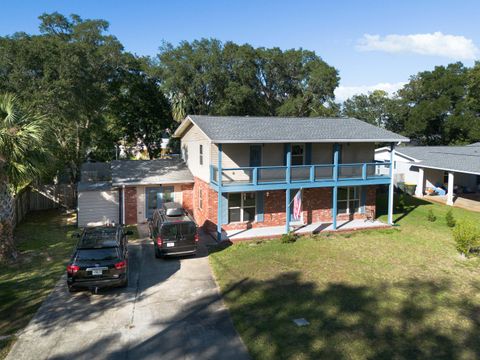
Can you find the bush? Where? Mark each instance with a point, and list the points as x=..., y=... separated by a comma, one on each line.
x=431, y=216
x=467, y=236
x=450, y=219
x=289, y=237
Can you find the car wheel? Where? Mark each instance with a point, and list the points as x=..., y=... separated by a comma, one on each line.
x=71, y=289
x=124, y=283
x=157, y=253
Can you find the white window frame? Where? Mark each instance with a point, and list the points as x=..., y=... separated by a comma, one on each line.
x=200, y=199
x=297, y=156
x=200, y=152
x=356, y=197
x=242, y=207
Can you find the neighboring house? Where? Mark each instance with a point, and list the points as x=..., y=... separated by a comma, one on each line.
x=127, y=191
x=247, y=170
x=454, y=168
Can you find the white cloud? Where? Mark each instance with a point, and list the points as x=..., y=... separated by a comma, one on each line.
x=342, y=93
x=437, y=44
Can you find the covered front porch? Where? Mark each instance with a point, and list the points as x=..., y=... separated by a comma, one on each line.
x=336, y=183
x=314, y=228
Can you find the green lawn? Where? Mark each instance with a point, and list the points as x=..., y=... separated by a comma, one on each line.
x=45, y=244
x=400, y=293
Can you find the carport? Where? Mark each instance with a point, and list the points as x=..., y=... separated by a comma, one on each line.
x=456, y=168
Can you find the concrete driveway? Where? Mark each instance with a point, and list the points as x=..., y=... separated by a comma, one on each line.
x=171, y=309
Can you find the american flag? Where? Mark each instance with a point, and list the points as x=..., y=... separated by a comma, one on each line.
x=297, y=205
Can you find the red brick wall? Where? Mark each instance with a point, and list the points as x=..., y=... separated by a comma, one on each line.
x=187, y=197
x=370, y=200
x=207, y=215
x=130, y=205
x=317, y=204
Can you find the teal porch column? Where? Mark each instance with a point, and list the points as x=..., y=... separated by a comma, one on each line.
x=335, y=187
x=390, y=186
x=219, y=201
x=288, y=162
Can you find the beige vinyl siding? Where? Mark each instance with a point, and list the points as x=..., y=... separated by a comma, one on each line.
x=190, y=148
x=358, y=153
x=97, y=207
x=322, y=153
x=273, y=154
x=177, y=197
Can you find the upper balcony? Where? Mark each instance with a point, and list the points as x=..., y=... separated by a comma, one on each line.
x=296, y=176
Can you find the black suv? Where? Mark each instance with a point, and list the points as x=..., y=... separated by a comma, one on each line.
x=100, y=259
x=173, y=231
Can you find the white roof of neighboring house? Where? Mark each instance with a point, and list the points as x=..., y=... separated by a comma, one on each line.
x=465, y=159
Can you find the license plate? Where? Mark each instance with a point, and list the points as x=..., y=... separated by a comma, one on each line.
x=97, y=271
x=170, y=244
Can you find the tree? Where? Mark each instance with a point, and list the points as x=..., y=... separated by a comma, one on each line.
x=140, y=109
x=373, y=108
x=66, y=72
x=229, y=79
x=23, y=152
x=432, y=109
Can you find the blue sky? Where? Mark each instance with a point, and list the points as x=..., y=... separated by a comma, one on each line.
x=369, y=42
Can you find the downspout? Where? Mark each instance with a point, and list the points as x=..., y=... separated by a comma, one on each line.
x=391, y=187
x=123, y=204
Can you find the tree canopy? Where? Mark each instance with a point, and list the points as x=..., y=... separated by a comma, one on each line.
x=437, y=107
x=229, y=79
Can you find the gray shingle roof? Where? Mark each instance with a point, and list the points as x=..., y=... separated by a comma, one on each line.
x=456, y=158
x=94, y=186
x=149, y=172
x=95, y=171
x=237, y=129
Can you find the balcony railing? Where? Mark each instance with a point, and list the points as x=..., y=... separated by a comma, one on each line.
x=265, y=175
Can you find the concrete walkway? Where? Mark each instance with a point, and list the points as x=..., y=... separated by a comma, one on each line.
x=172, y=309
x=315, y=228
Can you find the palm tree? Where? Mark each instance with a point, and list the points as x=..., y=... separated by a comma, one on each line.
x=178, y=107
x=22, y=151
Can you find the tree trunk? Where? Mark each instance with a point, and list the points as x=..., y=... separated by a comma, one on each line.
x=7, y=246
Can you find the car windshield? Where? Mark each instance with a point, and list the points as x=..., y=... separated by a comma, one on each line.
x=97, y=254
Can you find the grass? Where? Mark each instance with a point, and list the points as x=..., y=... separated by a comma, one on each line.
x=45, y=244
x=399, y=293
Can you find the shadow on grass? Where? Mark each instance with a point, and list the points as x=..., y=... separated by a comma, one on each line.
x=413, y=319
x=410, y=203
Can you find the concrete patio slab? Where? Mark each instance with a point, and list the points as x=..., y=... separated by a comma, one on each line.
x=315, y=228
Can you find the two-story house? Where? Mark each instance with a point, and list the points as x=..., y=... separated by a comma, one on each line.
x=247, y=170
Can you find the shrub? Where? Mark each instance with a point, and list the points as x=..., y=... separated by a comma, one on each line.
x=450, y=219
x=467, y=236
x=289, y=237
x=431, y=216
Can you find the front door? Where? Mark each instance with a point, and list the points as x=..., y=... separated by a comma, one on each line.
x=155, y=197
x=255, y=155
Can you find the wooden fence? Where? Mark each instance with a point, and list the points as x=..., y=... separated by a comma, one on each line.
x=43, y=197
